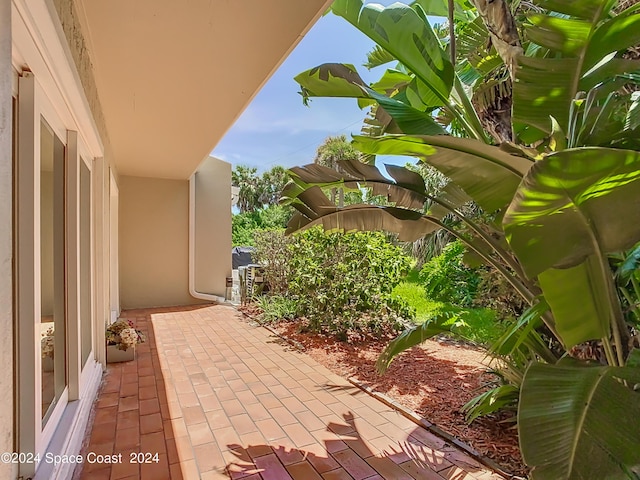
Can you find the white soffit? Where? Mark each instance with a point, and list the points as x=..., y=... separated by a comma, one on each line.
x=173, y=76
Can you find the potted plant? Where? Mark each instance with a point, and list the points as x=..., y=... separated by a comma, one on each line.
x=122, y=338
x=47, y=344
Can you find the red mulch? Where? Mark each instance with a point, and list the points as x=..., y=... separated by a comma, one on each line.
x=434, y=379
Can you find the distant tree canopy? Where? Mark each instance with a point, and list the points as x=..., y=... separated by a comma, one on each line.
x=335, y=149
x=258, y=191
x=257, y=202
x=330, y=153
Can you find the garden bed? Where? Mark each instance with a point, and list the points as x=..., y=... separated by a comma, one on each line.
x=435, y=380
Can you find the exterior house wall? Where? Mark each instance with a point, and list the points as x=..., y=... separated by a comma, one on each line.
x=47, y=86
x=212, y=226
x=104, y=168
x=70, y=24
x=6, y=239
x=51, y=49
x=154, y=242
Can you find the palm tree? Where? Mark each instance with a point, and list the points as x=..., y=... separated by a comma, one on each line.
x=248, y=183
x=334, y=150
x=272, y=183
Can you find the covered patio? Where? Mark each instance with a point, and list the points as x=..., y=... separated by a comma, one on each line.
x=216, y=396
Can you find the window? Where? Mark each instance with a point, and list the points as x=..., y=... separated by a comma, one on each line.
x=53, y=324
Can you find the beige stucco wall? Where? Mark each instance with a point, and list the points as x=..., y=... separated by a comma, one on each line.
x=6, y=240
x=68, y=15
x=212, y=225
x=154, y=242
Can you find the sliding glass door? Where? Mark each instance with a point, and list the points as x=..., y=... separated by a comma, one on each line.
x=53, y=322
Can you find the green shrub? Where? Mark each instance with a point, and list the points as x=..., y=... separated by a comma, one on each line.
x=272, y=252
x=447, y=279
x=245, y=225
x=343, y=282
x=242, y=227
x=496, y=293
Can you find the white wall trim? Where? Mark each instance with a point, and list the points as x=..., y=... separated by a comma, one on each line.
x=114, y=256
x=27, y=275
x=40, y=46
x=72, y=427
x=8, y=88
x=100, y=178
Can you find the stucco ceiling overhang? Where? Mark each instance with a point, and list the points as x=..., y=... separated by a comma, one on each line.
x=173, y=75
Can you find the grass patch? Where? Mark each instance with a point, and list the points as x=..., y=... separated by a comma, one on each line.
x=479, y=325
x=416, y=297
x=276, y=307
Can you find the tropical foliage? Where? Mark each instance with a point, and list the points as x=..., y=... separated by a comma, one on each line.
x=257, y=198
x=245, y=226
x=341, y=284
x=254, y=191
x=562, y=185
x=446, y=277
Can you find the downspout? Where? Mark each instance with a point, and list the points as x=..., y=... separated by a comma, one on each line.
x=192, y=246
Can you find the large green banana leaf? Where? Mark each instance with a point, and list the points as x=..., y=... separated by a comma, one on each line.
x=487, y=174
x=572, y=208
x=407, y=36
x=573, y=204
x=341, y=80
x=440, y=8
x=579, y=422
x=584, y=42
x=332, y=80
x=409, y=225
x=414, y=336
x=406, y=190
x=578, y=297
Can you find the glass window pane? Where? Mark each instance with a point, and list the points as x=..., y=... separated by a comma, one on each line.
x=85, y=262
x=52, y=272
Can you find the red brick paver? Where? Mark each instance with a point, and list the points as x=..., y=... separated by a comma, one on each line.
x=212, y=396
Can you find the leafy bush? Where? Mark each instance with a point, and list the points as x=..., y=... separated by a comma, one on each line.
x=272, y=252
x=343, y=282
x=245, y=225
x=496, y=293
x=446, y=278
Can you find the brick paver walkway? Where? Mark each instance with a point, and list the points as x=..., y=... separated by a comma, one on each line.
x=215, y=396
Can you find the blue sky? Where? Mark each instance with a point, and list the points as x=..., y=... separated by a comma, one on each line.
x=276, y=129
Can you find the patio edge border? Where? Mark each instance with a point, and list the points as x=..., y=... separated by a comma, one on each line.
x=424, y=423
x=405, y=412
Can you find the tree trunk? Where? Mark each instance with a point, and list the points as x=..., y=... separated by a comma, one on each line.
x=494, y=106
x=502, y=29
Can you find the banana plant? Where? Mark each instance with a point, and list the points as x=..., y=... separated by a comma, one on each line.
x=424, y=82
x=580, y=41
x=583, y=202
x=569, y=210
x=568, y=206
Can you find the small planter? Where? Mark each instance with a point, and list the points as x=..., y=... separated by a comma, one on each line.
x=115, y=355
